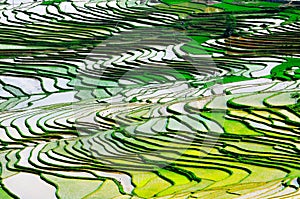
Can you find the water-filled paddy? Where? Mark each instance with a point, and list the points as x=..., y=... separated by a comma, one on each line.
x=149, y=99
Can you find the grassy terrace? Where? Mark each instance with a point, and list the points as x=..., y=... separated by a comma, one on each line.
x=149, y=99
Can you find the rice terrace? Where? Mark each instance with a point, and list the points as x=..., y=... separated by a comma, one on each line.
x=163, y=99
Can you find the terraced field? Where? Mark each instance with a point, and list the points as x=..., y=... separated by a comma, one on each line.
x=149, y=99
